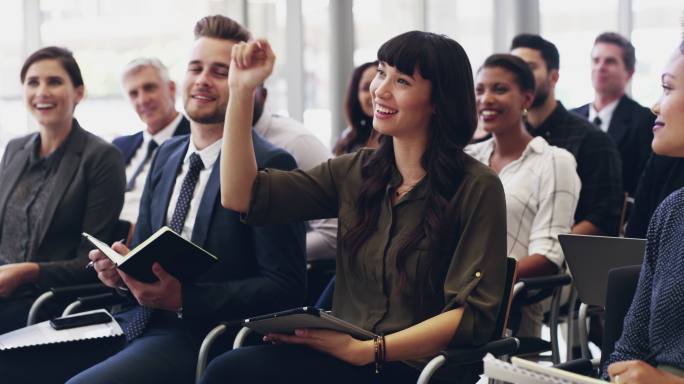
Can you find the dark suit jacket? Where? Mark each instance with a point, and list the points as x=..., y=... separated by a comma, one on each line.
x=260, y=269
x=88, y=196
x=631, y=128
x=129, y=144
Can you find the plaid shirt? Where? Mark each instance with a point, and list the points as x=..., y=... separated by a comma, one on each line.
x=598, y=166
x=541, y=190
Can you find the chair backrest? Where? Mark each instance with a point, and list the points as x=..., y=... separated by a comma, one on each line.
x=507, y=298
x=590, y=258
x=622, y=283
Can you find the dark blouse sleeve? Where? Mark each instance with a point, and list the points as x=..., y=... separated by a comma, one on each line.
x=282, y=196
x=476, y=275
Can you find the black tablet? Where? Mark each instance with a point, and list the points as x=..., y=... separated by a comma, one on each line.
x=286, y=322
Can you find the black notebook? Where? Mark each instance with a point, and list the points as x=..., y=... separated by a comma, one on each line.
x=286, y=322
x=179, y=257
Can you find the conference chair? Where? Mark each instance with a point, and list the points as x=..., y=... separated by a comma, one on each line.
x=621, y=286
x=528, y=291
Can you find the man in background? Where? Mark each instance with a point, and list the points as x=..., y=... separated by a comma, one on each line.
x=629, y=124
x=152, y=94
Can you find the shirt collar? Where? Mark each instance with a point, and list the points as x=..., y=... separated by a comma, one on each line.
x=209, y=155
x=52, y=159
x=555, y=119
x=605, y=114
x=484, y=153
x=165, y=133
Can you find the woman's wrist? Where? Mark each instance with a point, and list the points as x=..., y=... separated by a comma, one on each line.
x=363, y=352
x=30, y=272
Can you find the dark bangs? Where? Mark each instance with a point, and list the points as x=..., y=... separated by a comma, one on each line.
x=406, y=52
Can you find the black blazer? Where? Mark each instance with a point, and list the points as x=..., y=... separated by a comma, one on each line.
x=261, y=269
x=129, y=144
x=631, y=128
x=88, y=196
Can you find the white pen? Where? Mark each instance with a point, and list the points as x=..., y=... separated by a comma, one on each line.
x=91, y=264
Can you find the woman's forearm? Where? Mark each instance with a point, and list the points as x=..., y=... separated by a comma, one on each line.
x=238, y=162
x=424, y=339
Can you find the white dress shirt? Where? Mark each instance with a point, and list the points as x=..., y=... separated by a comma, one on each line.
x=605, y=114
x=129, y=212
x=209, y=155
x=542, y=188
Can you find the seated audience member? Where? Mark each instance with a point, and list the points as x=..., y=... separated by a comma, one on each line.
x=421, y=252
x=358, y=110
x=152, y=93
x=623, y=119
x=662, y=175
x=540, y=180
x=260, y=269
x=650, y=349
x=308, y=151
x=598, y=161
x=56, y=183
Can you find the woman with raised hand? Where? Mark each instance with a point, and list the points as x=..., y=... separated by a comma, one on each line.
x=358, y=110
x=421, y=254
x=56, y=183
x=540, y=180
x=651, y=348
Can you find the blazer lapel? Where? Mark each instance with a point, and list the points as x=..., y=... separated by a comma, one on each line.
x=618, y=123
x=12, y=173
x=168, y=181
x=68, y=167
x=207, y=204
x=584, y=111
x=135, y=142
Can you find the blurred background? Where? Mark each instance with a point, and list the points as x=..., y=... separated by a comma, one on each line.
x=318, y=42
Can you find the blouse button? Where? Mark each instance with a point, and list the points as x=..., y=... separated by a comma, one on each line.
x=478, y=274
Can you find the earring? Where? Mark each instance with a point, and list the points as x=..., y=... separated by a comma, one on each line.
x=524, y=112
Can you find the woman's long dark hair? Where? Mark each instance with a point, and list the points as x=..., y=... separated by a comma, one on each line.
x=360, y=124
x=445, y=63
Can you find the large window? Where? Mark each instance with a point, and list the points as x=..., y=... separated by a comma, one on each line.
x=104, y=35
x=267, y=19
x=468, y=22
x=12, y=117
x=656, y=35
x=572, y=26
x=376, y=21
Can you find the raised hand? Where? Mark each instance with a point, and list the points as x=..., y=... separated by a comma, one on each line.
x=251, y=64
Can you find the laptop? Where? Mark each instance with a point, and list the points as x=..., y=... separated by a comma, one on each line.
x=590, y=258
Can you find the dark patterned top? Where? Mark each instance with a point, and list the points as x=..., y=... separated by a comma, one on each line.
x=598, y=166
x=655, y=320
x=26, y=205
x=662, y=176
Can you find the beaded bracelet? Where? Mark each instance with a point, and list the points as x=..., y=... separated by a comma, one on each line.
x=379, y=349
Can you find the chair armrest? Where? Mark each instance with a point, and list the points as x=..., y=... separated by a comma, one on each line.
x=75, y=291
x=95, y=301
x=499, y=347
x=544, y=282
x=65, y=294
x=206, y=347
x=580, y=366
x=536, y=289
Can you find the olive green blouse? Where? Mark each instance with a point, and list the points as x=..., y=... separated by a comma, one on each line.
x=369, y=292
